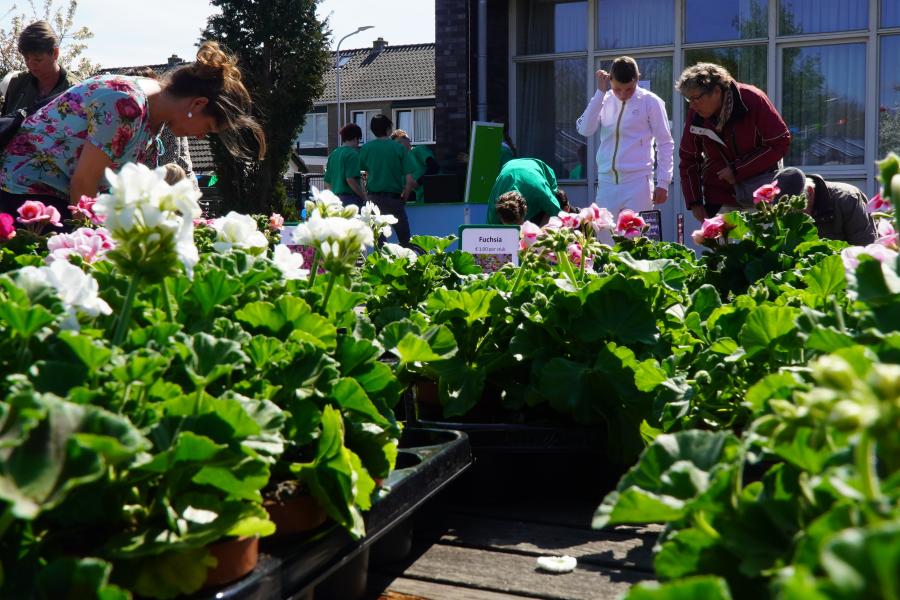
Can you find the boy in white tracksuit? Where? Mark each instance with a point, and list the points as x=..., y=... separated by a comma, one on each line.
x=630, y=119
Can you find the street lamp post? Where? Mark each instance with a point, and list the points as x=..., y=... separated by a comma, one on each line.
x=337, y=76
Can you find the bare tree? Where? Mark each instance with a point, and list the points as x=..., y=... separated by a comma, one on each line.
x=62, y=19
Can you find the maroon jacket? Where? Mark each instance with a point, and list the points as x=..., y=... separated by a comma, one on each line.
x=753, y=140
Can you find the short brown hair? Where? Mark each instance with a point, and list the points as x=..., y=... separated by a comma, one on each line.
x=624, y=69
x=703, y=77
x=511, y=208
x=38, y=38
x=350, y=131
x=215, y=76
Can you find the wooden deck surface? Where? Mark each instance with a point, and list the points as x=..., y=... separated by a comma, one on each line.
x=467, y=551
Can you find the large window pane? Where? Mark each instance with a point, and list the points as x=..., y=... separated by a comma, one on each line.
x=747, y=64
x=823, y=100
x=718, y=20
x=821, y=16
x=890, y=13
x=630, y=24
x=550, y=98
x=547, y=26
x=889, y=96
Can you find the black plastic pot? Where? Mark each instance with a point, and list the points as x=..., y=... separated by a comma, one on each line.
x=428, y=461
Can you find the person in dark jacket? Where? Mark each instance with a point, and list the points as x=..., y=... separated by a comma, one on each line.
x=733, y=140
x=44, y=78
x=839, y=209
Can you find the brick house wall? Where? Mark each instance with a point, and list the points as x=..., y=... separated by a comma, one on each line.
x=456, y=71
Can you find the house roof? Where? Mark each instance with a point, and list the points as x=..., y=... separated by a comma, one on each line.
x=392, y=72
x=174, y=62
x=201, y=155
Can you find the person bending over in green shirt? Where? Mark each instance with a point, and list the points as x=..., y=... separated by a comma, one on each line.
x=389, y=182
x=535, y=181
x=342, y=170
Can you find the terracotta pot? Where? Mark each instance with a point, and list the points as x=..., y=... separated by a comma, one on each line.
x=236, y=558
x=426, y=392
x=296, y=515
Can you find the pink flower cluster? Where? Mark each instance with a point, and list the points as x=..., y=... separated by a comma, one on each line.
x=90, y=244
x=528, y=235
x=711, y=229
x=887, y=236
x=84, y=211
x=36, y=215
x=276, y=222
x=7, y=227
x=630, y=224
x=767, y=194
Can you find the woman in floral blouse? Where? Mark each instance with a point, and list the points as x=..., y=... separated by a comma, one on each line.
x=61, y=152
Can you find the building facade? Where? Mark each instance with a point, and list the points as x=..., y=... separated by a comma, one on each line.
x=397, y=81
x=829, y=66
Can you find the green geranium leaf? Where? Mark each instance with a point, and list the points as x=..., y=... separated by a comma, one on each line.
x=92, y=353
x=766, y=326
x=776, y=385
x=214, y=288
x=349, y=395
x=241, y=482
x=25, y=320
x=261, y=315
x=77, y=579
x=705, y=300
x=212, y=358
x=828, y=339
x=692, y=588
x=188, y=448
x=671, y=473
x=865, y=563
x=173, y=573
x=616, y=308
x=827, y=278
x=43, y=458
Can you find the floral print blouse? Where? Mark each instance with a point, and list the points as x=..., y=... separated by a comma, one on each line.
x=110, y=111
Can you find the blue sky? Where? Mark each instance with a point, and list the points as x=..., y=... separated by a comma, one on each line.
x=147, y=32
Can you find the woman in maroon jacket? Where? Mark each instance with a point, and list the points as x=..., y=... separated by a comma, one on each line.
x=733, y=140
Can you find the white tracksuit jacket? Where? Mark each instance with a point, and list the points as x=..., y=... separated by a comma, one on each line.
x=626, y=136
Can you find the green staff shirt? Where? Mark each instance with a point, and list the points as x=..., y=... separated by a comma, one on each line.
x=418, y=158
x=387, y=164
x=534, y=180
x=343, y=164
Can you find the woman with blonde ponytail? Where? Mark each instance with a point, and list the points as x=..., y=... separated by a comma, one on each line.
x=61, y=152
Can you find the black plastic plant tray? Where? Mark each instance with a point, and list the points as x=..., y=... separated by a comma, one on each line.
x=524, y=438
x=429, y=459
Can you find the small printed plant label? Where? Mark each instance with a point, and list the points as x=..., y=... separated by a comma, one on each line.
x=492, y=246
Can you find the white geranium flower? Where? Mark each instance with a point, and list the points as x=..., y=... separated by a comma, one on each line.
x=339, y=240
x=77, y=290
x=142, y=208
x=235, y=230
x=289, y=263
x=327, y=204
x=396, y=251
x=378, y=223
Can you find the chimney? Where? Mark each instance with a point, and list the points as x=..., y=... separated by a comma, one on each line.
x=175, y=60
x=379, y=44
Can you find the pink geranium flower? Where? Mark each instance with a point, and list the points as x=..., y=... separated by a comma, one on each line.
x=84, y=210
x=878, y=204
x=600, y=219
x=276, y=222
x=91, y=244
x=7, y=227
x=630, y=224
x=850, y=256
x=710, y=230
x=37, y=215
x=569, y=220
x=887, y=236
x=767, y=193
x=574, y=252
x=528, y=235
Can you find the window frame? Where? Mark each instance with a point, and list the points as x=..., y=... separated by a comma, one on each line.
x=413, y=134
x=321, y=132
